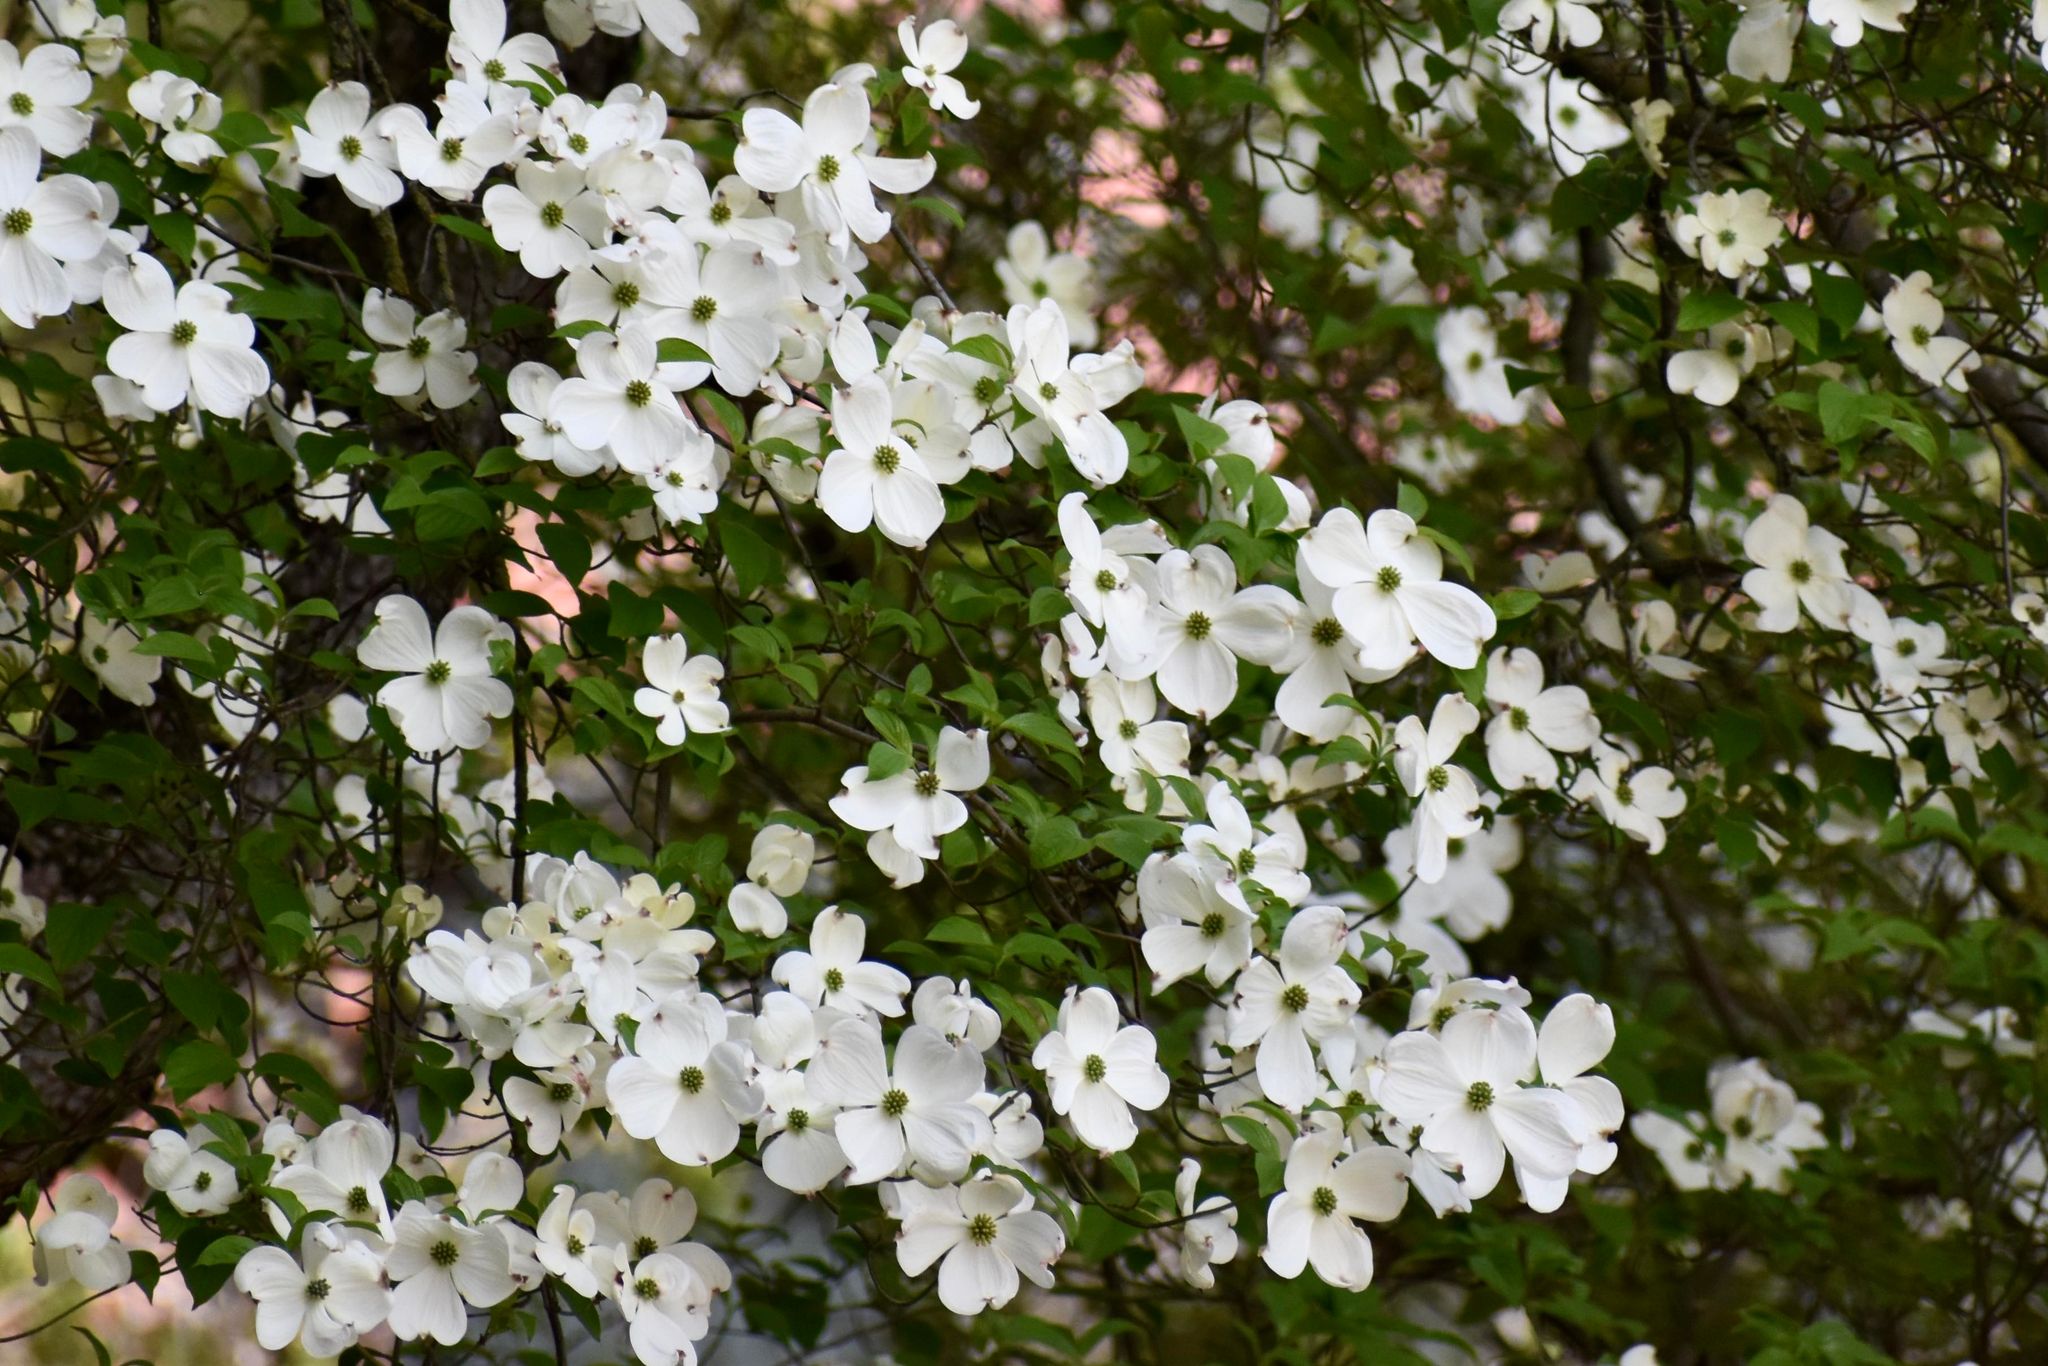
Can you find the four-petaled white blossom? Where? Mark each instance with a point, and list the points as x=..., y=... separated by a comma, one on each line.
x=931, y=56
x=1389, y=590
x=1099, y=1069
x=681, y=692
x=445, y=694
x=182, y=341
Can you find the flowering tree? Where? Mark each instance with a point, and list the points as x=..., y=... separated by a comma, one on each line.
x=1144, y=681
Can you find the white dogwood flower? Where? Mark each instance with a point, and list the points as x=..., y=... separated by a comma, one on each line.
x=877, y=477
x=918, y=806
x=932, y=57
x=1446, y=798
x=340, y=139
x=985, y=1236
x=1203, y=623
x=41, y=92
x=685, y=1085
x=1463, y=1086
x=437, y=1266
x=1730, y=232
x=1530, y=721
x=1313, y=1222
x=1914, y=316
x=1099, y=1070
x=445, y=693
x=420, y=353
x=182, y=341
x=1284, y=1003
x=1390, y=594
x=918, y=1116
x=822, y=160
x=833, y=975
x=681, y=692
x=325, y=1304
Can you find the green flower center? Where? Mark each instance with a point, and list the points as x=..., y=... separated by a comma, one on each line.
x=1048, y=391
x=440, y=671
x=451, y=150
x=1437, y=779
x=987, y=389
x=798, y=1121
x=1624, y=794
x=1327, y=632
x=1105, y=582
x=1800, y=570
x=1095, y=1069
x=1127, y=729
x=1212, y=925
x=704, y=308
x=357, y=1200
x=351, y=147
x=1726, y=237
x=828, y=169
x=1246, y=861
x=647, y=1288
x=692, y=1079
x=639, y=393
x=888, y=459
x=562, y=1092
x=575, y=1245
x=552, y=214
x=1908, y=648
x=835, y=980
x=1480, y=1096
x=895, y=1102
x=1295, y=998
x=927, y=784
x=419, y=348
x=21, y=104
x=1388, y=579
x=981, y=1230
x=1518, y=719
x=18, y=222
x=203, y=1181
x=578, y=143
x=445, y=1253
x=318, y=1288
x=625, y=294
x=645, y=1246
x=494, y=70
x=721, y=214
x=1198, y=625
x=184, y=332
x=1325, y=1201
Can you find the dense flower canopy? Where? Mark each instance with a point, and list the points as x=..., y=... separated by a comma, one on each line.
x=1217, y=680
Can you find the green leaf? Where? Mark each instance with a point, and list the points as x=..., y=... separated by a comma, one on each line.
x=193, y=1066
x=1411, y=500
x=1701, y=311
x=1057, y=840
x=1802, y=322
x=467, y=229
x=1516, y=602
x=74, y=931
x=1204, y=437
x=1041, y=728
x=939, y=209
x=754, y=561
x=22, y=960
x=673, y=349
